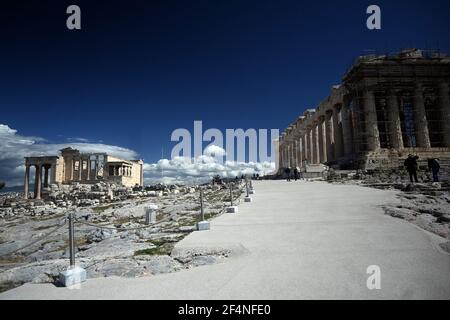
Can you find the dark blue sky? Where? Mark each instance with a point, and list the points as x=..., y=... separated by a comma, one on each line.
x=140, y=69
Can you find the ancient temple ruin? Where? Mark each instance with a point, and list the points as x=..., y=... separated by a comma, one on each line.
x=385, y=108
x=86, y=168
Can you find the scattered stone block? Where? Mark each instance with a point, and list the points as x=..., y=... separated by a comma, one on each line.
x=248, y=199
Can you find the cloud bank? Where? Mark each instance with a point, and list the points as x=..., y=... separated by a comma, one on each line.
x=14, y=147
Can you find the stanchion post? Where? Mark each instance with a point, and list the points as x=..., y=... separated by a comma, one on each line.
x=231, y=194
x=73, y=275
x=71, y=241
x=246, y=186
x=202, y=225
x=202, y=213
x=231, y=208
x=247, y=198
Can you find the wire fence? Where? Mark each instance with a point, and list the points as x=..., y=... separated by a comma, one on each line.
x=58, y=226
x=111, y=226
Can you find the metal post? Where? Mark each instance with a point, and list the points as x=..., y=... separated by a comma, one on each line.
x=246, y=186
x=71, y=241
x=201, y=204
x=231, y=193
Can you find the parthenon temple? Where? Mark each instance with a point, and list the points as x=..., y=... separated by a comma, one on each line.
x=87, y=168
x=386, y=107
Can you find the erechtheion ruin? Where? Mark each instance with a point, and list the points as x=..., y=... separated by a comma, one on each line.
x=386, y=107
x=72, y=166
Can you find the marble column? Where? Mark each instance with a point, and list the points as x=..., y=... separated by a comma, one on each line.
x=337, y=133
x=323, y=135
x=316, y=147
x=347, y=138
x=288, y=154
x=370, y=113
x=311, y=146
x=300, y=152
x=38, y=182
x=330, y=135
x=305, y=147
x=46, y=176
x=88, y=167
x=80, y=167
x=395, y=127
x=53, y=174
x=295, y=153
x=444, y=98
x=26, y=183
x=421, y=124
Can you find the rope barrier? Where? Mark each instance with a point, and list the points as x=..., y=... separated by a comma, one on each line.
x=37, y=240
x=109, y=226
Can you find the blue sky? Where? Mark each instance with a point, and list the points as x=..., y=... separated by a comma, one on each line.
x=140, y=69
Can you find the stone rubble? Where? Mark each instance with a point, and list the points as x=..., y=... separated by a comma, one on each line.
x=103, y=252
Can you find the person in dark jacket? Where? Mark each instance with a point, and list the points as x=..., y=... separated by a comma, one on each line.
x=288, y=174
x=412, y=166
x=434, y=166
x=296, y=174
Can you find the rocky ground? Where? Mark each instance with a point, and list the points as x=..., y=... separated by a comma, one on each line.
x=105, y=249
x=426, y=204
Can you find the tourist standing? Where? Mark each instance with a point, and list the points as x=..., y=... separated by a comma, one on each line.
x=412, y=167
x=434, y=166
x=288, y=174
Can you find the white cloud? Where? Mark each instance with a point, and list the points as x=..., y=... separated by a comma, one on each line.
x=14, y=147
x=201, y=169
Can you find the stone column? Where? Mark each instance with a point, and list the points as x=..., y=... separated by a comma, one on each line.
x=281, y=151
x=38, y=182
x=370, y=113
x=88, y=167
x=337, y=133
x=395, y=127
x=421, y=124
x=46, y=176
x=53, y=175
x=288, y=154
x=294, y=153
x=26, y=183
x=311, y=145
x=300, y=152
x=316, y=145
x=347, y=139
x=323, y=134
x=305, y=147
x=330, y=135
x=72, y=168
x=444, y=98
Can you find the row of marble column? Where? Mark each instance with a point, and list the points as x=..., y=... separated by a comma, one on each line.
x=80, y=170
x=421, y=126
x=320, y=142
x=37, y=179
x=330, y=137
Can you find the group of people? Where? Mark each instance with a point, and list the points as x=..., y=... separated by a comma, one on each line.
x=292, y=173
x=412, y=167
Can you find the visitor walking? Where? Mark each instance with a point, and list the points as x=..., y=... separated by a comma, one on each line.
x=412, y=166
